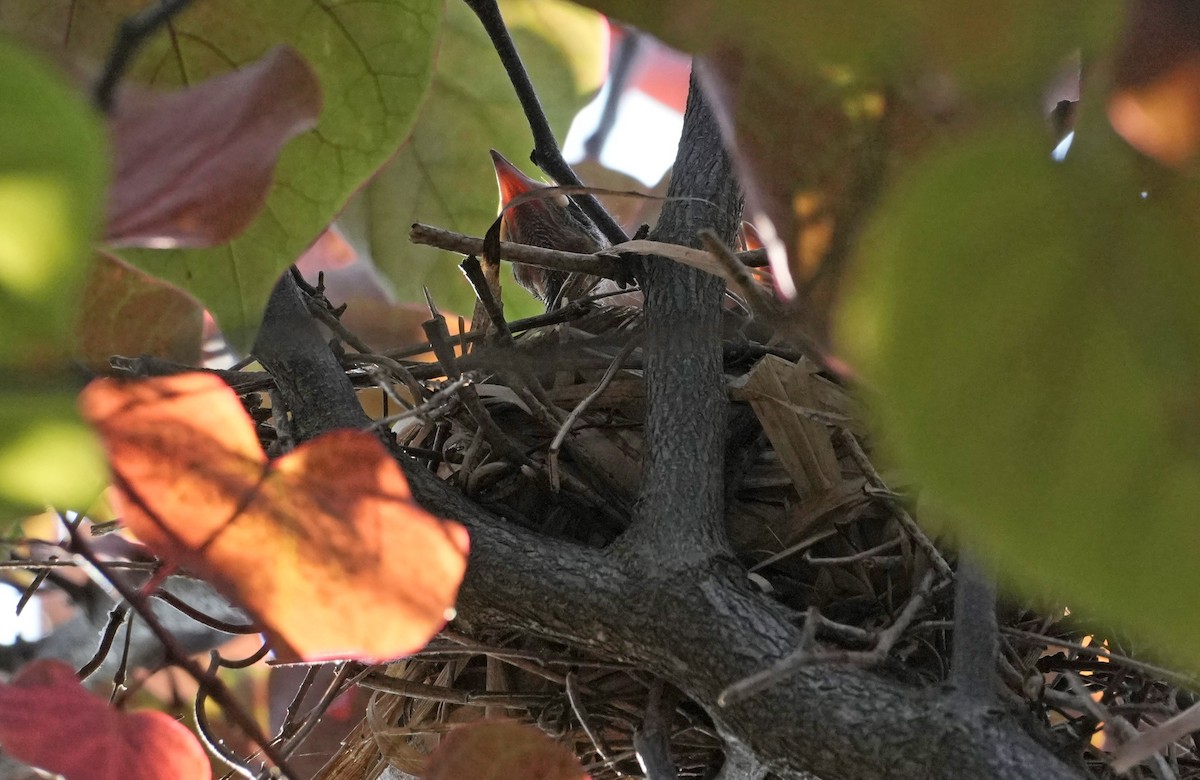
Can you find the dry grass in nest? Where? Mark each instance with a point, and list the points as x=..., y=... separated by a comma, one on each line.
x=817, y=526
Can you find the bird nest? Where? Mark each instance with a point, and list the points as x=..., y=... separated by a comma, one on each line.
x=544, y=428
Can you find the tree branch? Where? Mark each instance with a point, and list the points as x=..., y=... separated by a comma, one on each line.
x=546, y=154
x=680, y=516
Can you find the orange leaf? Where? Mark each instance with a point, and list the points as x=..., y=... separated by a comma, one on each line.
x=49, y=720
x=502, y=750
x=324, y=546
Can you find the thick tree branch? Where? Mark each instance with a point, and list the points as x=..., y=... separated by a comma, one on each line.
x=701, y=626
x=680, y=517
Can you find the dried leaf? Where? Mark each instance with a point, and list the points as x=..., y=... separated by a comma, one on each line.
x=783, y=397
x=324, y=546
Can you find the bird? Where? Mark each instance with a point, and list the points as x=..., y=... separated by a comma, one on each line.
x=552, y=222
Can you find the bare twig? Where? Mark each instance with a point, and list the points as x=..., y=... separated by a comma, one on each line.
x=806, y=653
x=130, y=35
x=581, y=407
x=652, y=740
x=910, y=525
x=546, y=154
x=595, y=264
x=577, y=706
x=209, y=683
x=1146, y=744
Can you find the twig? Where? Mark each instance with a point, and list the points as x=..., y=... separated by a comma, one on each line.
x=855, y=558
x=116, y=616
x=395, y=367
x=291, y=716
x=546, y=154
x=595, y=264
x=55, y=564
x=207, y=620
x=130, y=35
x=340, y=679
x=762, y=306
x=1117, y=725
x=618, y=78
x=431, y=404
x=805, y=653
x=209, y=683
x=581, y=407
x=577, y=706
x=474, y=273
x=439, y=337
x=215, y=744
x=864, y=464
x=331, y=321
x=1147, y=743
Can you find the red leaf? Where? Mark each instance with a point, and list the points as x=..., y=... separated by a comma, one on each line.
x=324, y=546
x=502, y=750
x=49, y=720
x=193, y=167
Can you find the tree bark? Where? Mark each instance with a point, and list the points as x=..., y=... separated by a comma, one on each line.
x=669, y=595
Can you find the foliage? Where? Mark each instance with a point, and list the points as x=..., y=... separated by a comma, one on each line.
x=1025, y=330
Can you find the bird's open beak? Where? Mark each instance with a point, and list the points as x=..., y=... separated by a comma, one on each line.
x=512, y=182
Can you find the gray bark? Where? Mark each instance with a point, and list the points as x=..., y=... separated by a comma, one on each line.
x=668, y=595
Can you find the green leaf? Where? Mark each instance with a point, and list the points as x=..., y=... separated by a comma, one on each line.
x=47, y=455
x=374, y=61
x=52, y=176
x=1012, y=45
x=1031, y=340
x=443, y=175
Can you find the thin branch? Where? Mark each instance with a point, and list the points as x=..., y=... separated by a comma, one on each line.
x=595, y=264
x=868, y=469
x=546, y=154
x=209, y=683
x=582, y=406
x=652, y=740
x=581, y=714
x=132, y=33
x=808, y=652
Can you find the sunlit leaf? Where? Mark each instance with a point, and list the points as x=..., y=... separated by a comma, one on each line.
x=194, y=166
x=1030, y=337
x=502, y=750
x=374, y=62
x=49, y=720
x=325, y=546
x=443, y=175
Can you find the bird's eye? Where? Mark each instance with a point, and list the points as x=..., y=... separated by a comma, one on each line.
x=562, y=200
